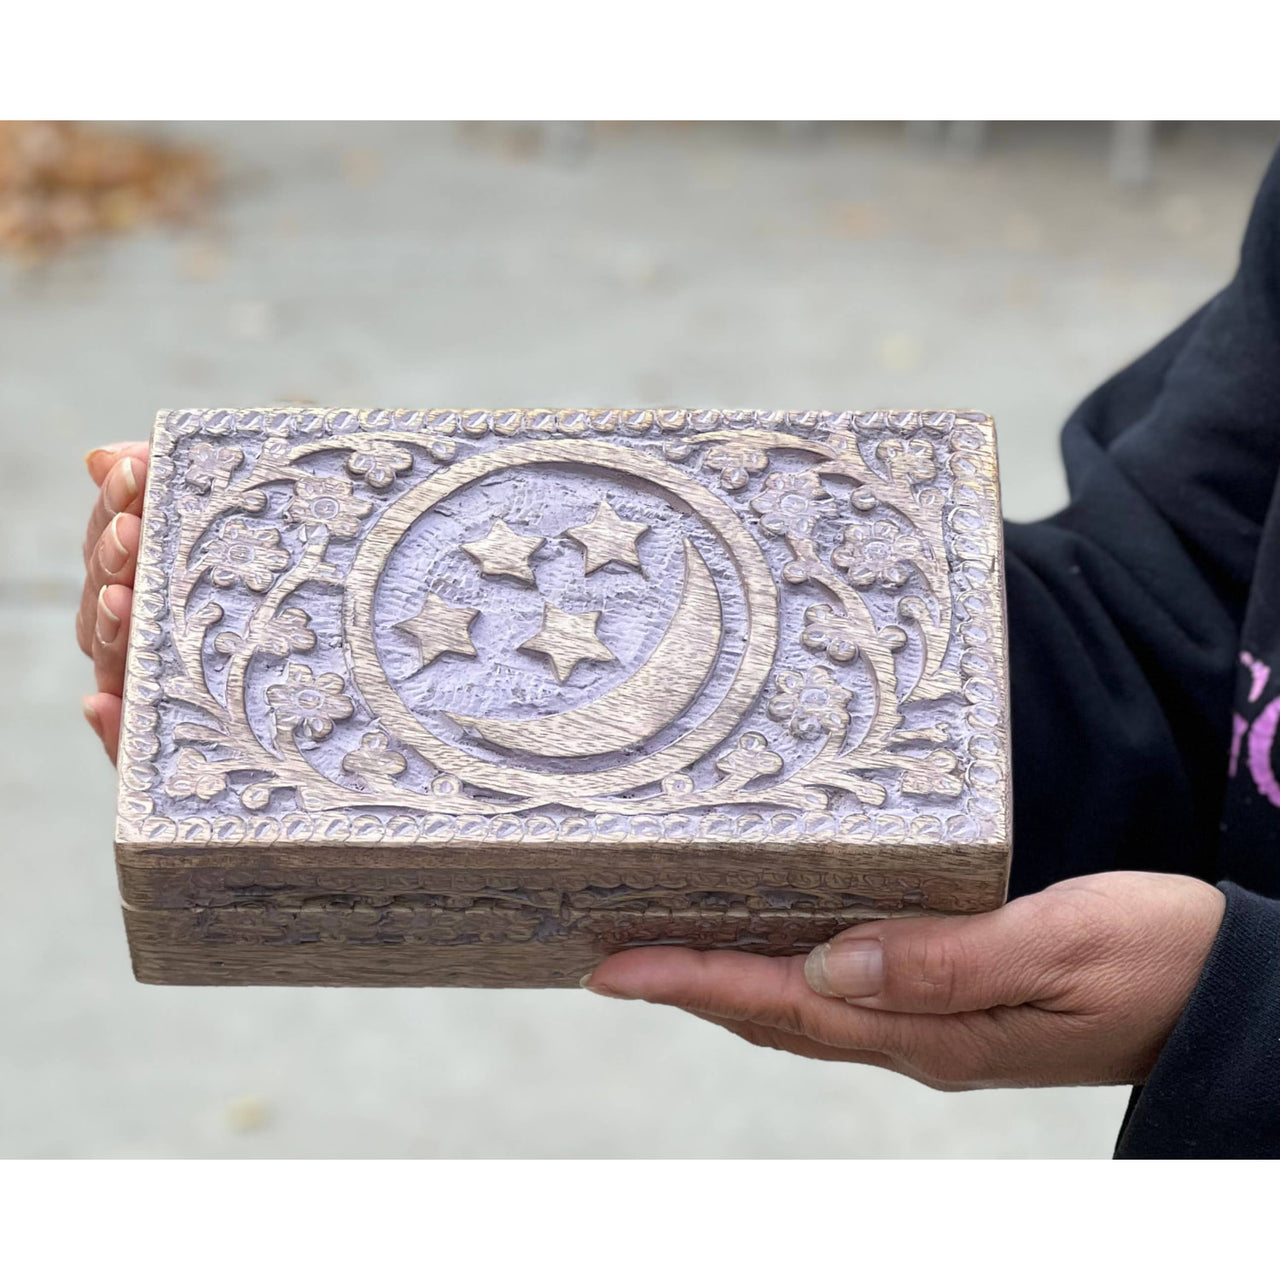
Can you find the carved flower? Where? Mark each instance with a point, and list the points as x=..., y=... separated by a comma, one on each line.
x=909, y=460
x=792, y=502
x=751, y=758
x=379, y=462
x=877, y=551
x=195, y=775
x=810, y=703
x=374, y=760
x=245, y=553
x=286, y=633
x=210, y=464
x=933, y=774
x=327, y=502
x=736, y=463
x=308, y=699
x=833, y=632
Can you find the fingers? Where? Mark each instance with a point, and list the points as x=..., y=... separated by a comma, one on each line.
x=767, y=1002
x=102, y=711
x=734, y=987
x=960, y=964
x=111, y=638
x=100, y=460
x=801, y=1046
x=122, y=490
x=114, y=562
x=110, y=557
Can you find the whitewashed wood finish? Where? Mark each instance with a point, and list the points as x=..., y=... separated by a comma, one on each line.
x=695, y=663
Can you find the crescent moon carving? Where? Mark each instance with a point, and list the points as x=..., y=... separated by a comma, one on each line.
x=648, y=700
x=572, y=788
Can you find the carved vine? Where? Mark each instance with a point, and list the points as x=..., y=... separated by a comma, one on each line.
x=894, y=543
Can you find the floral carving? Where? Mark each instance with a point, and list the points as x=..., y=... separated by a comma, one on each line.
x=196, y=775
x=305, y=698
x=327, y=502
x=897, y=539
x=736, y=463
x=374, y=761
x=284, y=634
x=210, y=464
x=878, y=551
x=810, y=703
x=912, y=460
x=379, y=462
x=751, y=758
x=792, y=503
x=245, y=553
x=933, y=774
x=834, y=633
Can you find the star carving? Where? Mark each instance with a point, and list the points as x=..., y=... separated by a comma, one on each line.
x=503, y=552
x=567, y=639
x=607, y=538
x=440, y=628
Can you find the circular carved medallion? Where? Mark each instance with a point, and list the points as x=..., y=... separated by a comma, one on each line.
x=632, y=712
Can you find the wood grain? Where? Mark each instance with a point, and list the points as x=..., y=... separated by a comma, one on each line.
x=474, y=697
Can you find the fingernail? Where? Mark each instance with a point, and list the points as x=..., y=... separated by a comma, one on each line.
x=108, y=625
x=105, y=448
x=585, y=983
x=113, y=552
x=853, y=967
x=130, y=487
x=91, y=715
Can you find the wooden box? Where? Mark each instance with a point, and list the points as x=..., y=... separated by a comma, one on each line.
x=473, y=697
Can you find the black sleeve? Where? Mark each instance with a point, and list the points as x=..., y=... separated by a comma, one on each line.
x=1125, y=608
x=1215, y=1091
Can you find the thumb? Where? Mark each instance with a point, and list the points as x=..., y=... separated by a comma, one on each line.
x=953, y=964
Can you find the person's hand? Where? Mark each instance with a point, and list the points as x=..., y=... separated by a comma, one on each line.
x=1079, y=984
x=110, y=562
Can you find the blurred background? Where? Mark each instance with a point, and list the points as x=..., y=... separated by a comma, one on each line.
x=1003, y=267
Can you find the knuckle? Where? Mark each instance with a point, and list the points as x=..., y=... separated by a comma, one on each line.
x=792, y=1014
x=929, y=971
x=1071, y=927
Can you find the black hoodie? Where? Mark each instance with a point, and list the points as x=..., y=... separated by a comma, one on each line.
x=1144, y=625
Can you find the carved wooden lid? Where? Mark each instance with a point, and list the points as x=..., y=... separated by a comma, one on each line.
x=439, y=634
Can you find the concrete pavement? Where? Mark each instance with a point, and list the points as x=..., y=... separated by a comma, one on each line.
x=415, y=265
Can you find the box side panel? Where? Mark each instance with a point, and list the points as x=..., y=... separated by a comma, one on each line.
x=166, y=949
x=411, y=945
x=882, y=882
x=339, y=926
